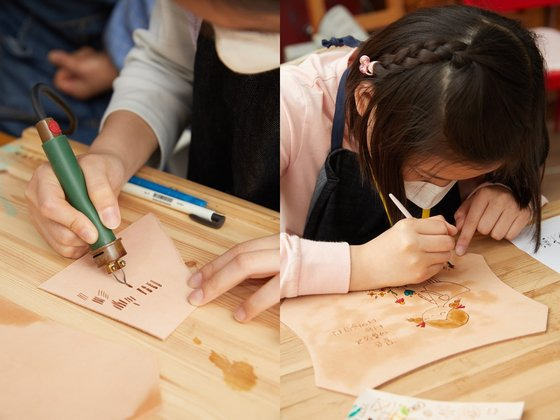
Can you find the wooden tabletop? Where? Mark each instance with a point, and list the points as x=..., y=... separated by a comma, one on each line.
x=523, y=369
x=192, y=385
x=5, y=138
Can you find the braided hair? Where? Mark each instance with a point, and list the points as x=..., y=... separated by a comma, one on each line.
x=457, y=83
x=431, y=51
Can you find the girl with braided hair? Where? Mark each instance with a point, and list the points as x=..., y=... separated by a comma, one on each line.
x=445, y=109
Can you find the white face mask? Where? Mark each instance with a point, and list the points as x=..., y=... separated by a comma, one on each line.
x=424, y=194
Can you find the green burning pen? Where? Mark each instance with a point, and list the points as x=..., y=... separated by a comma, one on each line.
x=108, y=251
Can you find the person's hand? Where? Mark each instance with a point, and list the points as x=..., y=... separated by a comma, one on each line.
x=411, y=251
x=83, y=73
x=255, y=259
x=66, y=229
x=492, y=211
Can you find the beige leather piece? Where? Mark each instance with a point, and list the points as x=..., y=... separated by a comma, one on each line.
x=49, y=371
x=157, y=301
x=364, y=339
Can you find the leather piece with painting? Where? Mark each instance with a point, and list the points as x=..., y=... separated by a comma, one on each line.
x=363, y=339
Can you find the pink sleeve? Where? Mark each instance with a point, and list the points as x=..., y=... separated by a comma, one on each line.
x=312, y=267
x=293, y=114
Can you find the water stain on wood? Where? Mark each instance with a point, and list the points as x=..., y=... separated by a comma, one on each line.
x=237, y=375
x=197, y=341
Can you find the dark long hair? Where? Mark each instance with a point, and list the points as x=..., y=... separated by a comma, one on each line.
x=458, y=83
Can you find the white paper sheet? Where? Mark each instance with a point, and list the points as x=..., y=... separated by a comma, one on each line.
x=549, y=252
x=379, y=405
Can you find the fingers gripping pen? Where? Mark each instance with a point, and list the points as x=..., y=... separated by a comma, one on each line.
x=108, y=251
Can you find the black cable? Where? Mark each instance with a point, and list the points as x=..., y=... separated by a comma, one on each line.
x=7, y=113
x=42, y=88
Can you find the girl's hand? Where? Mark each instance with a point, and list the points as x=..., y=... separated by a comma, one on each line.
x=412, y=251
x=66, y=229
x=255, y=259
x=492, y=211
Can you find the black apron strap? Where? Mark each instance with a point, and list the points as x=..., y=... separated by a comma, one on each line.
x=339, y=120
x=337, y=133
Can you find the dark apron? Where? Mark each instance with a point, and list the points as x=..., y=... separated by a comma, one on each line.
x=236, y=128
x=345, y=207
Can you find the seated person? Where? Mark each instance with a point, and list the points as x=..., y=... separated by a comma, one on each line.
x=79, y=47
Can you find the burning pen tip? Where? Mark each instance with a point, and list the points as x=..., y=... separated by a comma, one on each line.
x=123, y=281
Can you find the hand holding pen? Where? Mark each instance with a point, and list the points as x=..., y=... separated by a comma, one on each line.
x=106, y=168
x=410, y=252
x=66, y=229
x=69, y=231
x=407, y=214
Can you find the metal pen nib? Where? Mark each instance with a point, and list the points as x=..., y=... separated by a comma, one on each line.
x=123, y=281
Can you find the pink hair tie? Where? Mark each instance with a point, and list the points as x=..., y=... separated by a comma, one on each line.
x=366, y=65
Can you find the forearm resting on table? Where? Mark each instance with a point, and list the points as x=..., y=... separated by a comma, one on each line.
x=127, y=136
x=312, y=267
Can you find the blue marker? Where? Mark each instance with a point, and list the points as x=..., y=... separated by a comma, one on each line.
x=167, y=191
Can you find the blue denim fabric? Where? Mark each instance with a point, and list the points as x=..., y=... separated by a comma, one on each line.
x=127, y=16
x=29, y=29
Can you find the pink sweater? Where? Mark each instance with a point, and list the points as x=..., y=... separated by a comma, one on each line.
x=307, y=102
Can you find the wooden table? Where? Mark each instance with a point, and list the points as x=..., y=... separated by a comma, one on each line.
x=5, y=138
x=192, y=386
x=523, y=369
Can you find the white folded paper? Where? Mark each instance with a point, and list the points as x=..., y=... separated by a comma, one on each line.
x=379, y=405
